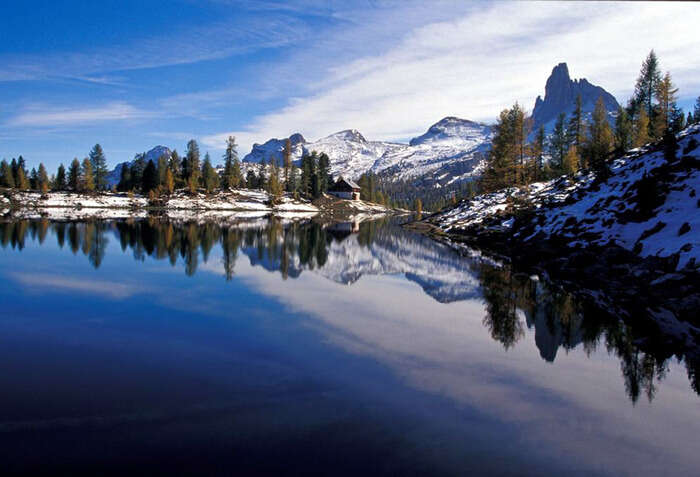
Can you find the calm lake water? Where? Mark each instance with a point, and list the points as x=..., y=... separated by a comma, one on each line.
x=144, y=347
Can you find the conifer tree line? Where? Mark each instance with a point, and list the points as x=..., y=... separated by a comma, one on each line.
x=578, y=143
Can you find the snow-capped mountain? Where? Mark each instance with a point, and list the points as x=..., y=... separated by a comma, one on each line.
x=560, y=96
x=152, y=155
x=274, y=148
x=450, y=141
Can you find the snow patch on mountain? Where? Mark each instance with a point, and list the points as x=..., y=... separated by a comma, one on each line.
x=450, y=141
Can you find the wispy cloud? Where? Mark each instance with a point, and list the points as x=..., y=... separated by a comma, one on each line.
x=105, y=288
x=478, y=63
x=41, y=116
x=191, y=45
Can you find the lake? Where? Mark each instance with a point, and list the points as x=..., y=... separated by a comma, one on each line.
x=268, y=347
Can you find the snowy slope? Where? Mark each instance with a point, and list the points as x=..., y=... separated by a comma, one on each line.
x=582, y=212
x=449, y=142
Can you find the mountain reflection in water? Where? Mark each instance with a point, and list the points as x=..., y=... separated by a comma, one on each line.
x=346, y=252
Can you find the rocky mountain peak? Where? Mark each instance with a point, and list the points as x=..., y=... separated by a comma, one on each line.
x=450, y=128
x=349, y=135
x=560, y=95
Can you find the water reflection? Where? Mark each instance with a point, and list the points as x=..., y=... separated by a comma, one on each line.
x=343, y=253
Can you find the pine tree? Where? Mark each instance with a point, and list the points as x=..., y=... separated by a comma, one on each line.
x=287, y=162
x=599, y=142
x=293, y=179
x=60, y=182
x=324, y=173
x=309, y=181
x=99, y=167
x=209, y=176
x=647, y=82
x=537, y=152
x=238, y=180
x=125, y=182
x=149, y=180
x=191, y=165
x=228, y=180
x=174, y=164
x=34, y=179
x=501, y=160
x=558, y=142
x=574, y=130
x=689, y=120
x=87, y=177
x=623, y=131
x=250, y=179
x=43, y=179
x=665, y=94
x=138, y=166
x=696, y=111
x=74, y=175
x=641, y=129
x=7, y=178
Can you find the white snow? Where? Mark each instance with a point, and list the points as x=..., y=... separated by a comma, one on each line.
x=604, y=214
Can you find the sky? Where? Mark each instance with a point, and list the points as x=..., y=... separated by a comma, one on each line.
x=131, y=75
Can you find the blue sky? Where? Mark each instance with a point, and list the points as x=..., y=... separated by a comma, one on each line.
x=134, y=74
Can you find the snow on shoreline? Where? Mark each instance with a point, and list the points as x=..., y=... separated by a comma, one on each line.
x=242, y=203
x=235, y=200
x=588, y=214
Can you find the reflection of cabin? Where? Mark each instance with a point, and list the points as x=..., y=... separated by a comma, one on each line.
x=342, y=230
x=345, y=189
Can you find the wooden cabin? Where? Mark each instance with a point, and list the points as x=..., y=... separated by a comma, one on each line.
x=345, y=189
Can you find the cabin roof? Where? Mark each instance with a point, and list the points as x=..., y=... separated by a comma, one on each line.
x=339, y=184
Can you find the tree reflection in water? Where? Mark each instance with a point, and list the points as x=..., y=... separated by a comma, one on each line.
x=513, y=301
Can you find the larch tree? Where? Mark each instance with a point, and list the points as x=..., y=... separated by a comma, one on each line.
x=169, y=184
x=43, y=179
x=600, y=141
x=640, y=129
x=21, y=182
x=7, y=178
x=99, y=167
x=87, y=177
x=666, y=96
x=162, y=169
x=571, y=161
x=623, y=131
x=74, y=175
